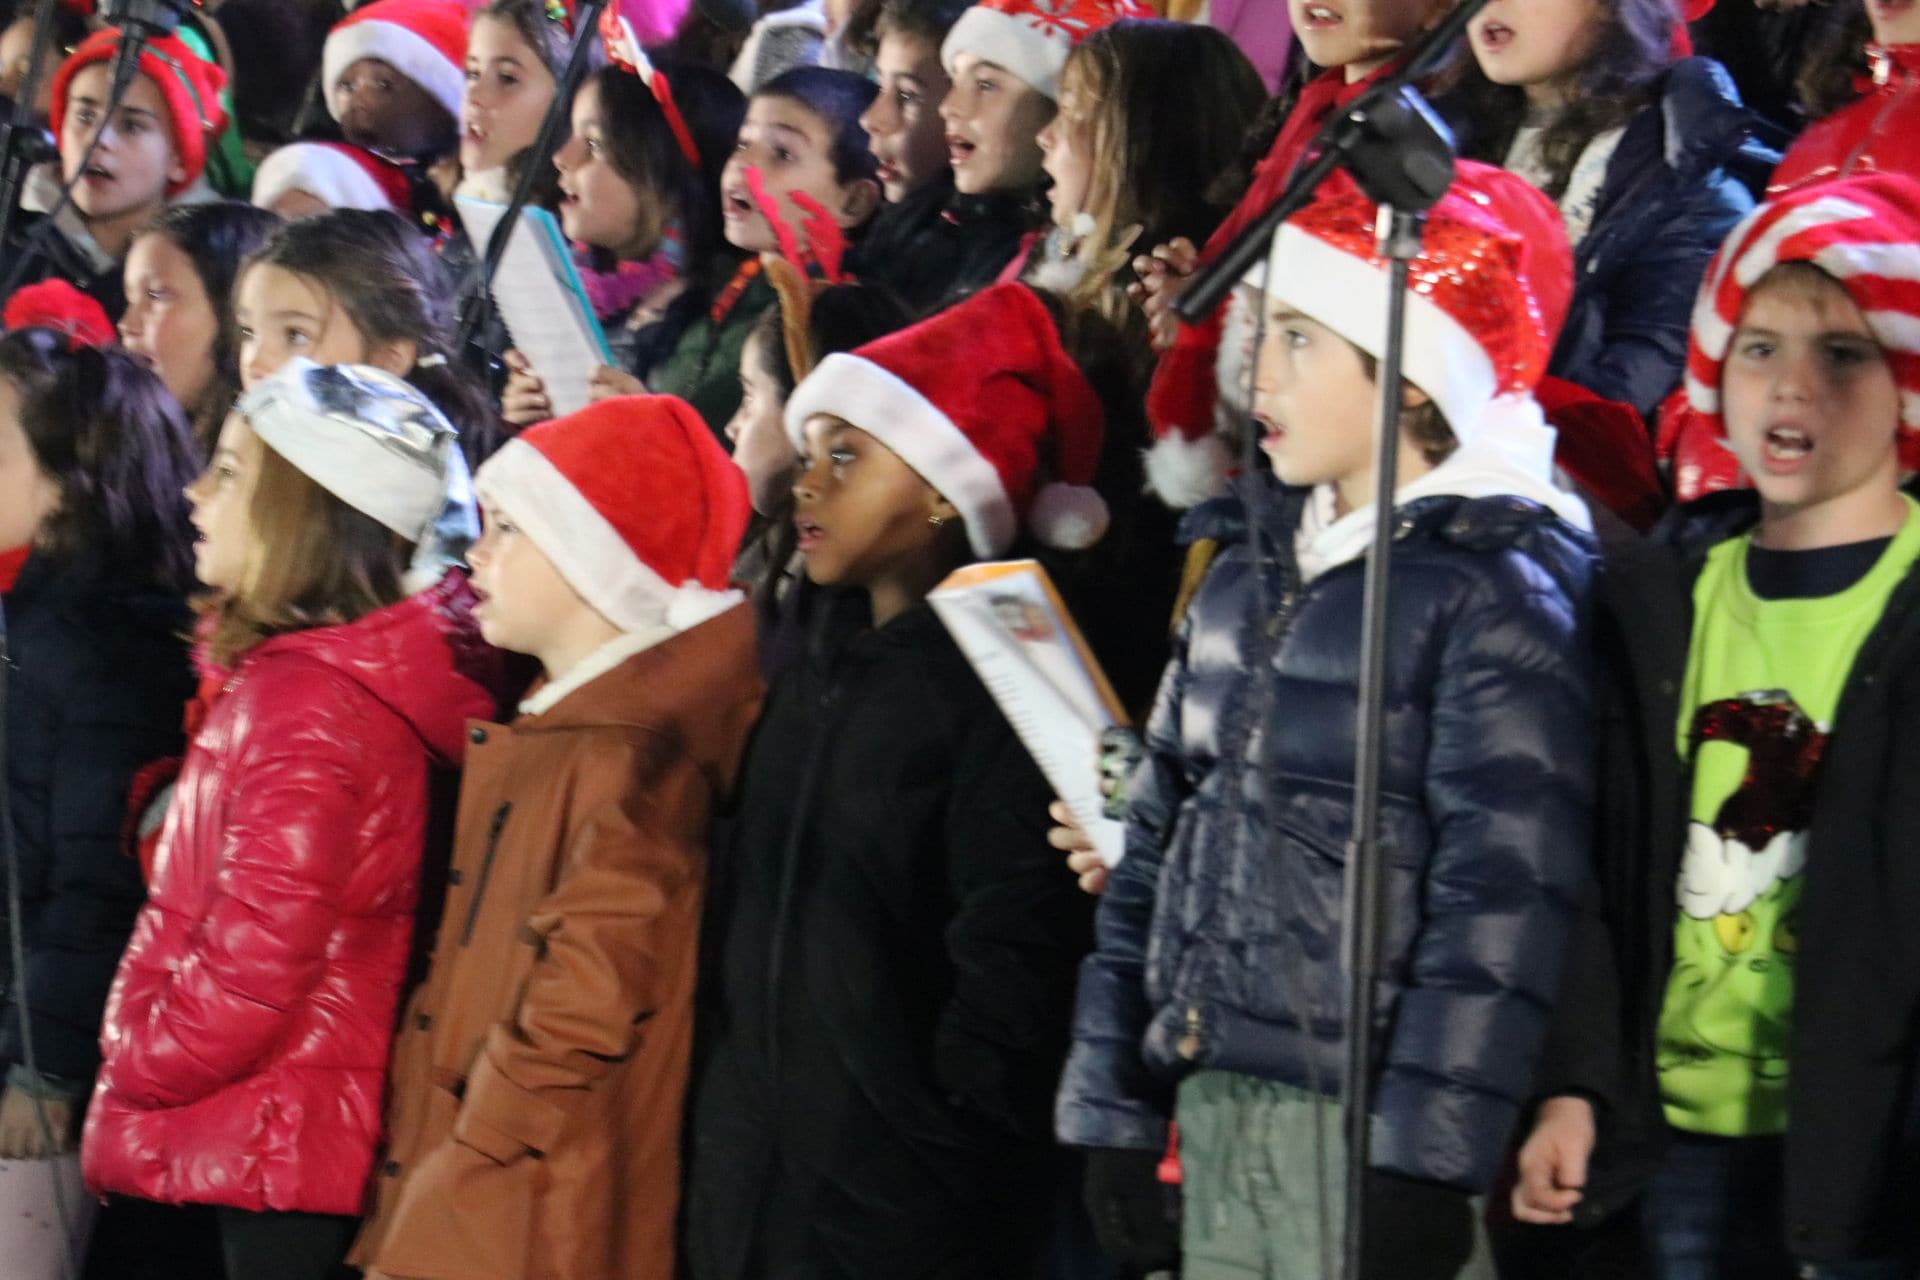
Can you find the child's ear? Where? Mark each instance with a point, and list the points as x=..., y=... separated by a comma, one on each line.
x=1412, y=397
x=858, y=200
x=176, y=169
x=940, y=511
x=396, y=357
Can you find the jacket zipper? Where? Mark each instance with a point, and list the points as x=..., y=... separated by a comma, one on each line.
x=486, y=870
x=1894, y=100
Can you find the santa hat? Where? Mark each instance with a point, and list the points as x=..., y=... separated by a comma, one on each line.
x=1691, y=11
x=1032, y=38
x=59, y=306
x=188, y=84
x=982, y=401
x=1489, y=288
x=424, y=40
x=636, y=505
x=1865, y=233
x=374, y=442
x=336, y=174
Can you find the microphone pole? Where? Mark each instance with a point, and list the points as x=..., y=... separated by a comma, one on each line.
x=18, y=133
x=473, y=309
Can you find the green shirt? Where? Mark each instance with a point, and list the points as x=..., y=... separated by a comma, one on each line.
x=1763, y=682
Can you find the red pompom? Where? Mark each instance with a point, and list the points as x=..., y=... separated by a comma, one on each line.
x=57, y=305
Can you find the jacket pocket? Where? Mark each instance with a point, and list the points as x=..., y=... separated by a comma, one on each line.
x=462, y=1214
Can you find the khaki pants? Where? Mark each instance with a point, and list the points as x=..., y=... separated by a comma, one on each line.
x=1250, y=1207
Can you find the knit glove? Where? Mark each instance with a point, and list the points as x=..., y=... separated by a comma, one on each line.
x=1415, y=1230
x=1133, y=1218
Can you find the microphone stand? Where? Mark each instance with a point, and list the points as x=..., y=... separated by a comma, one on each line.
x=1400, y=153
x=473, y=309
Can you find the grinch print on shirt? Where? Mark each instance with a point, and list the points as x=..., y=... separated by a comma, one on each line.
x=1723, y=1034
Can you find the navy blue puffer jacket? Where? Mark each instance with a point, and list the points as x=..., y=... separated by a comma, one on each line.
x=1219, y=934
x=1669, y=199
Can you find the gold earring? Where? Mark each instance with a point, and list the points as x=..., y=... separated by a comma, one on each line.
x=937, y=521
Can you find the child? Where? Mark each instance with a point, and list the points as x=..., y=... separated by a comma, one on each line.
x=92, y=458
x=354, y=287
x=394, y=71
x=1583, y=99
x=1755, y=1066
x=878, y=1108
x=302, y=179
x=516, y=52
x=1151, y=116
x=1217, y=994
x=70, y=27
x=151, y=151
x=535, y=1122
x=1357, y=42
x=179, y=320
x=264, y=974
x=1856, y=89
x=644, y=164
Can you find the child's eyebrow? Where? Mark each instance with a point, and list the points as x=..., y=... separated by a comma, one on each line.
x=292, y=313
x=794, y=130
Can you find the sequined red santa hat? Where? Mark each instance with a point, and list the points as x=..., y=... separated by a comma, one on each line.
x=634, y=502
x=1864, y=232
x=188, y=84
x=337, y=174
x=984, y=402
x=424, y=40
x=1488, y=290
x=1032, y=38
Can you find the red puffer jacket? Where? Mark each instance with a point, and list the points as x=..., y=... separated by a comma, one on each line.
x=1877, y=133
x=246, y=1040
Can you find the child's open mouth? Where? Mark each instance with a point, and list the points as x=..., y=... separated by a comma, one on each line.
x=1320, y=17
x=738, y=207
x=959, y=150
x=810, y=533
x=1787, y=444
x=1495, y=36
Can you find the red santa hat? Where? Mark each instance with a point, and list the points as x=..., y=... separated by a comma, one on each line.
x=424, y=40
x=1032, y=38
x=188, y=84
x=984, y=403
x=1864, y=232
x=634, y=502
x=61, y=307
x=337, y=174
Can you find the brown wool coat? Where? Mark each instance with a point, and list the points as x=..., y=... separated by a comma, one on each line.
x=538, y=1081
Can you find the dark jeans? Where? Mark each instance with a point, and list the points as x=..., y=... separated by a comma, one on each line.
x=285, y=1246
x=1713, y=1212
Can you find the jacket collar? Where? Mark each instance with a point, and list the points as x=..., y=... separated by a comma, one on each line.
x=1703, y=119
x=655, y=683
x=1887, y=63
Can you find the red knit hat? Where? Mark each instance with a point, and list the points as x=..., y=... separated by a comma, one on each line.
x=188, y=84
x=634, y=502
x=58, y=305
x=337, y=174
x=1032, y=38
x=1864, y=232
x=424, y=40
x=982, y=401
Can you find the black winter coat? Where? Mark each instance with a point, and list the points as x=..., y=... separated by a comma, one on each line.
x=1669, y=199
x=936, y=244
x=1219, y=935
x=895, y=948
x=96, y=684
x=1853, y=1093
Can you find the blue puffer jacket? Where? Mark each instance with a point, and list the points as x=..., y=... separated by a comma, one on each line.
x=1219, y=934
x=1669, y=199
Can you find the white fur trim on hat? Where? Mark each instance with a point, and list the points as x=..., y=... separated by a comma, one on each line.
x=890, y=410
x=1071, y=517
x=1187, y=472
x=586, y=549
x=408, y=52
x=1006, y=41
x=326, y=173
x=1348, y=294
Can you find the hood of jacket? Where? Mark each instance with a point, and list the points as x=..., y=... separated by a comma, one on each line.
x=405, y=655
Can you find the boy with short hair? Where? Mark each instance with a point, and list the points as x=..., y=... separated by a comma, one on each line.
x=150, y=152
x=537, y=1090
x=1751, y=1029
x=1216, y=994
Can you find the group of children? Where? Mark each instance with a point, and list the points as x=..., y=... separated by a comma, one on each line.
x=460, y=843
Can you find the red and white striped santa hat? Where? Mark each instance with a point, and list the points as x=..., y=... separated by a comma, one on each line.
x=1865, y=233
